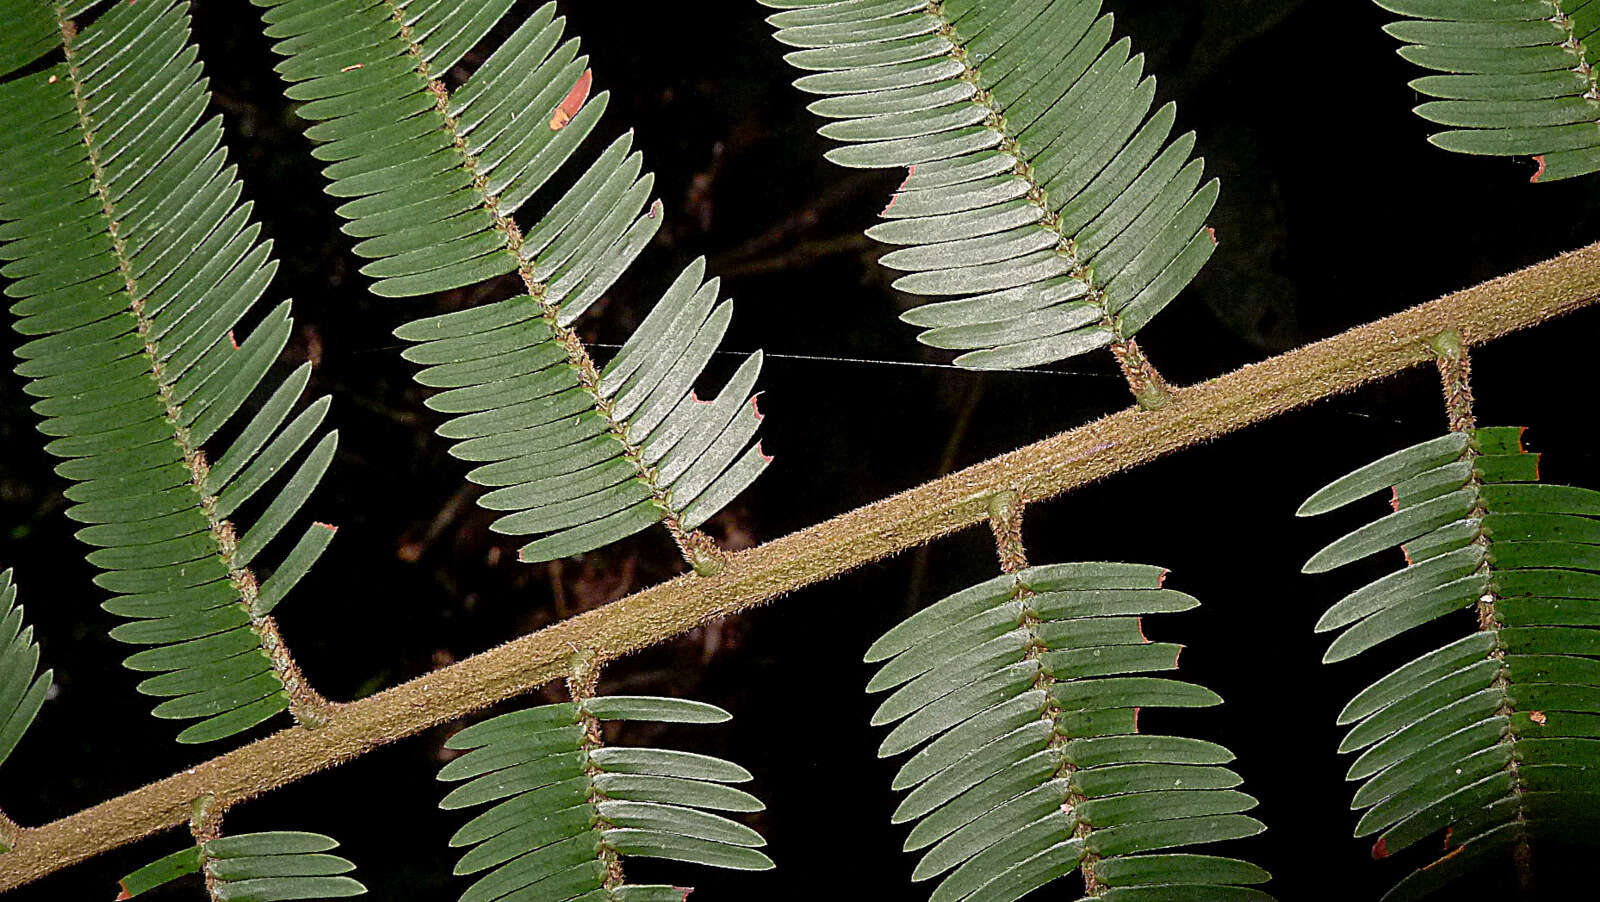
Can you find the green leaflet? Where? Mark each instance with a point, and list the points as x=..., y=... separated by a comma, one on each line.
x=1437, y=735
x=658, y=710
x=133, y=352
x=990, y=680
x=1052, y=184
x=163, y=870
x=1518, y=79
x=31, y=31
x=556, y=477
x=1385, y=472
x=434, y=179
x=256, y=867
x=22, y=687
x=565, y=802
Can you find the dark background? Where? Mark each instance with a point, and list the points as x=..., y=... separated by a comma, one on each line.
x=1334, y=211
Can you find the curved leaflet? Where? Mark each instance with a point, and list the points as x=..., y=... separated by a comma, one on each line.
x=1042, y=196
x=132, y=261
x=1021, y=698
x=1493, y=739
x=566, y=807
x=576, y=455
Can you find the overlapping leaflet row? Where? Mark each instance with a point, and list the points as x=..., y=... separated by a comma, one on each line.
x=565, y=806
x=1493, y=739
x=1043, y=197
x=1511, y=77
x=435, y=181
x=132, y=260
x=276, y=866
x=1021, y=698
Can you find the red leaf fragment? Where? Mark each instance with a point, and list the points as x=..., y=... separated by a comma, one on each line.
x=233, y=341
x=328, y=526
x=124, y=894
x=755, y=407
x=686, y=890
x=1540, y=173
x=573, y=102
x=1213, y=233
x=890, y=205
x=910, y=171
x=764, y=455
x=1394, y=499
x=1380, y=849
x=1162, y=579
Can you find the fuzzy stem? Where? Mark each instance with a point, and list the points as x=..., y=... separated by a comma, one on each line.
x=582, y=684
x=1039, y=472
x=1005, y=520
x=205, y=819
x=9, y=830
x=1148, y=387
x=1455, y=373
x=205, y=824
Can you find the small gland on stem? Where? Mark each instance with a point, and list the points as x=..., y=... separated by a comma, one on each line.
x=1448, y=344
x=1005, y=519
x=1455, y=373
x=702, y=552
x=9, y=830
x=205, y=824
x=583, y=674
x=205, y=818
x=1150, y=390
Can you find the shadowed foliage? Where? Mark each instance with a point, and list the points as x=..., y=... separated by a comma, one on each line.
x=577, y=455
x=1493, y=739
x=255, y=867
x=1041, y=190
x=1515, y=77
x=1029, y=687
x=569, y=807
x=133, y=260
